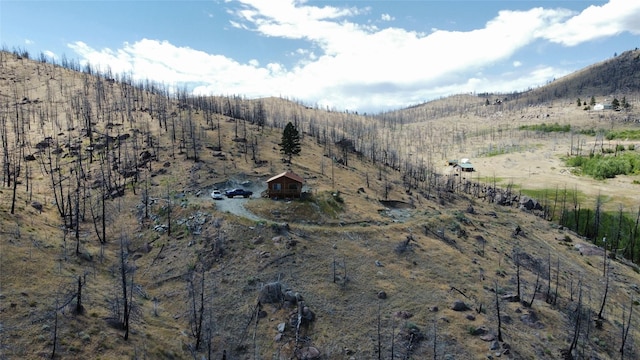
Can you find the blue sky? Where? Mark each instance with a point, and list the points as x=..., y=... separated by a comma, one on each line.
x=365, y=56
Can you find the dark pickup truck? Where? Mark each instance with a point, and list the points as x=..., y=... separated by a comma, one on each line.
x=238, y=192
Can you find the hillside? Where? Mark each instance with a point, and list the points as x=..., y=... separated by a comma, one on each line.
x=104, y=198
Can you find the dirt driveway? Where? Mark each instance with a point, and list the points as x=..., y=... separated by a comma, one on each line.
x=235, y=205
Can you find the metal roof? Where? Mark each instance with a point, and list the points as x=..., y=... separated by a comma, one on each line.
x=288, y=174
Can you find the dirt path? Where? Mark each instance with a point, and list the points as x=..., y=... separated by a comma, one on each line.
x=236, y=207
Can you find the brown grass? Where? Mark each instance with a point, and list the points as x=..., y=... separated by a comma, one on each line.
x=35, y=269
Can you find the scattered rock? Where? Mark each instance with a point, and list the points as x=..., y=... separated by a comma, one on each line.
x=488, y=337
x=291, y=243
x=378, y=264
x=527, y=203
x=479, y=331
x=403, y=314
x=145, y=155
x=459, y=305
x=589, y=250
x=470, y=317
x=494, y=345
x=511, y=297
x=37, y=205
x=532, y=320
x=307, y=314
x=382, y=294
x=271, y=293
x=281, y=327
x=434, y=309
x=292, y=297
x=257, y=240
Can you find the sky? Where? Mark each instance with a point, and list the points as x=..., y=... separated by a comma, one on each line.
x=354, y=55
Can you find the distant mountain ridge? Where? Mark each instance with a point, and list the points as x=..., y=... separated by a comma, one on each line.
x=615, y=77
x=612, y=77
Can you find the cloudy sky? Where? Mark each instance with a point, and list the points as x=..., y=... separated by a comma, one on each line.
x=357, y=55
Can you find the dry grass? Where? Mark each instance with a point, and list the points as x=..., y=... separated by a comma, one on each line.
x=37, y=268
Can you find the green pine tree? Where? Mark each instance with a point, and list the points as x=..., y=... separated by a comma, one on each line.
x=615, y=104
x=624, y=103
x=290, y=144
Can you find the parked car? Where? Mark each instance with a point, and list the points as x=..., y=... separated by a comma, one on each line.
x=216, y=194
x=238, y=192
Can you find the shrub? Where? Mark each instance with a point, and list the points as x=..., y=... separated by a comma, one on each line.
x=555, y=127
x=605, y=167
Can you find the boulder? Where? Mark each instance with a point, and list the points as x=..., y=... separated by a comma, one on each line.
x=271, y=293
x=479, y=331
x=37, y=205
x=527, y=203
x=308, y=352
x=459, y=305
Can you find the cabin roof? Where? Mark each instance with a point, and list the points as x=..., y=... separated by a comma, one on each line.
x=288, y=174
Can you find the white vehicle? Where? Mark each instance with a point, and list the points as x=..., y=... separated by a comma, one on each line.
x=216, y=194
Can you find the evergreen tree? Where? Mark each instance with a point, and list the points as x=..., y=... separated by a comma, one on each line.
x=290, y=144
x=579, y=102
x=624, y=103
x=593, y=101
x=615, y=104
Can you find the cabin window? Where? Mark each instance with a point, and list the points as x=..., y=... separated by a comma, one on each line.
x=293, y=186
x=277, y=186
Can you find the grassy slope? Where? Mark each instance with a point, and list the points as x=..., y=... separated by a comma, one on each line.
x=36, y=270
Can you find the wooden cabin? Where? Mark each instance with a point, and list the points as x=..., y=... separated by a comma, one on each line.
x=285, y=185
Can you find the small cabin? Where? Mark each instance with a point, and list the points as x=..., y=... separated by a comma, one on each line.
x=465, y=167
x=285, y=185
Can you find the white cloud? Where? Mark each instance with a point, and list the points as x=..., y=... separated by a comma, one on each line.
x=162, y=61
x=50, y=54
x=350, y=65
x=596, y=22
x=29, y=41
x=387, y=17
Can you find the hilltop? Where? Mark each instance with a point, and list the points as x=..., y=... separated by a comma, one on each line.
x=393, y=252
